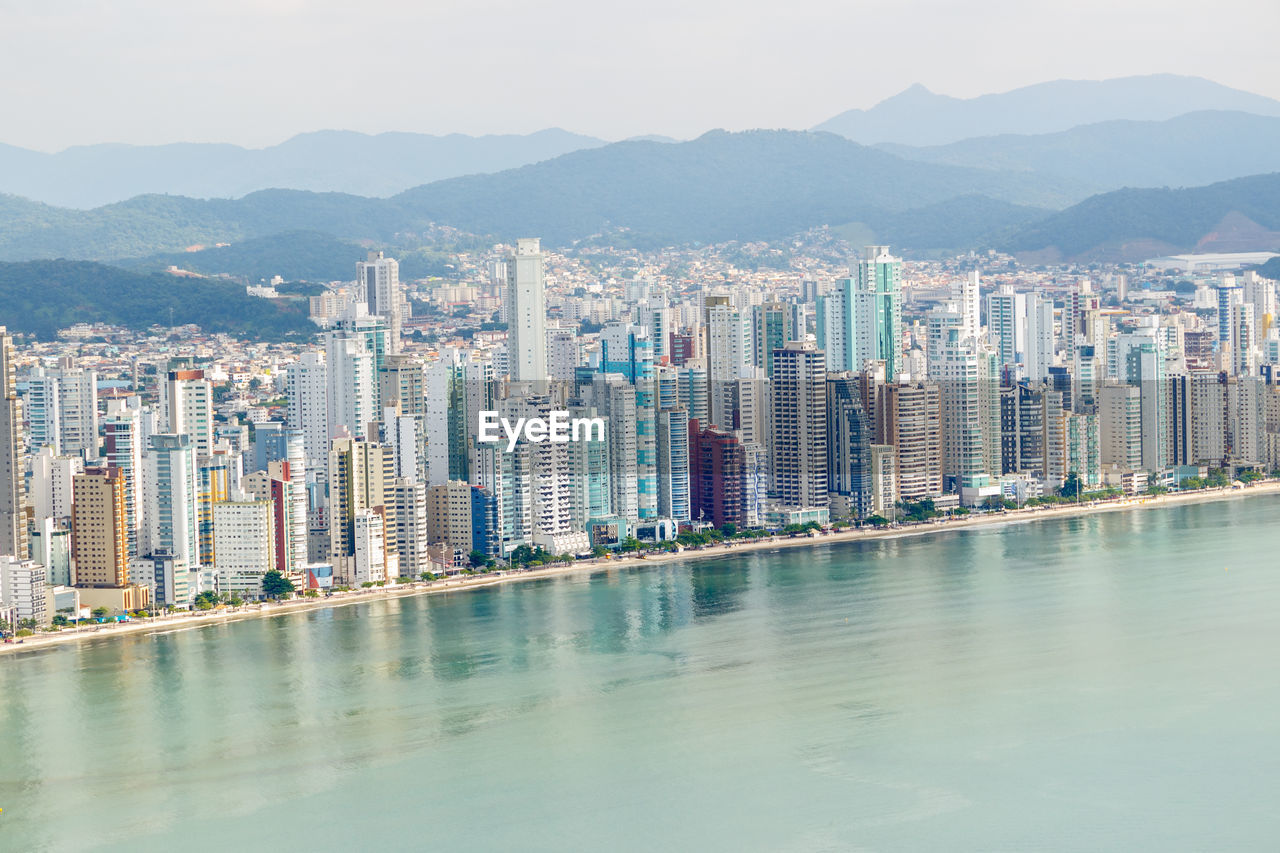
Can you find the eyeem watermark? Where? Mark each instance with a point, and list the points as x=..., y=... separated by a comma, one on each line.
x=557, y=429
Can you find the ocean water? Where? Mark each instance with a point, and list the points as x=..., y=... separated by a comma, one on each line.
x=1100, y=683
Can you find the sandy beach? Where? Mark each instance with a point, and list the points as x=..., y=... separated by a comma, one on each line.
x=198, y=619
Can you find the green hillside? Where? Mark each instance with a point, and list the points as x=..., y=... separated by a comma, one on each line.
x=295, y=256
x=1181, y=220
x=40, y=297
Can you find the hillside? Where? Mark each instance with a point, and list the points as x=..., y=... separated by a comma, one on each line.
x=1116, y=154
x=721, y=186
x=1136, y=224
x=89, y=176
x=153, y=224
x=920, y=117
x=294, y=256
x=40, y=297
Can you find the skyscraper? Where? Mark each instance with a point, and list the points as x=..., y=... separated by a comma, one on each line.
x=673, y=464
x=187, y=399
x=849, y=438
x=352, y=396
x=98, y=523
x=307, y=384
x=13, y=522
x=879, y=278
x=800, y=425
x=526, y=306
x=171, y=492
x=123, y=449
x=379, y=281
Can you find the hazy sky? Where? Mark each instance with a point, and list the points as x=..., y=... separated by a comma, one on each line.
x=254, y=72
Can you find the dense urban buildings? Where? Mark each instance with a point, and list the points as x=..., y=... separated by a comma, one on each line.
x=161, y=471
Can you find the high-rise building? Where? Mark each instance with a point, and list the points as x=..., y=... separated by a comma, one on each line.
x=673, y=463
x=799, y=425
x=910, y=419
x=99, y=529
x=526, y=306
x=244, y=544
x=171, y=493
x=849, y=437
x=307, y=384
x=486, y=535
x=62, y=410
x=13, y=521
x=1007, y=324
x=771, y=330
x=370, y=558
x=360, y=475
x=409, y=511
x=402, y=383
x=275, y=486
x=50, y=494
x=379, y=281
x=860, y=319
x=123, y=448
x=449, y=515
x=24, y=588
x=1040, y=337
x=187, y=409
x=1120, y=426
x=719, y=476
x=879, y=276
x=955, y=364
x=352, y=394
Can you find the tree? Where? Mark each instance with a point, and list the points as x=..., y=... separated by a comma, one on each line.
x=1072, y=487
x=729, y=530
x=276, y=585
x=99, y=612
x=477, y=559
x=206, y=600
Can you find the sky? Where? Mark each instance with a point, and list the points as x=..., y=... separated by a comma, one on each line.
x=255, y=72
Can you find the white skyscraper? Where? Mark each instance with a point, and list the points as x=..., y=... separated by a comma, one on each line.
x=378, y=280
x=352, y=384
x=967, y=294
x=62, y=410
x=307, y=384
x=171, y=491
x=187, y=408
x=526, y=304
x=1040, y=336
x=1007, y=323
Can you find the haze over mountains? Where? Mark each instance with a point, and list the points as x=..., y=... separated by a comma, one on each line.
x=920, y=117
x=89, y=176
x=992, y=190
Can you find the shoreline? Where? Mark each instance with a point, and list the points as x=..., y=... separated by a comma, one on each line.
x=199, y=619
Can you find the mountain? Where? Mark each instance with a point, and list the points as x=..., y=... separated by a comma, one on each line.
x=920, y=117
x=1189, y=150
x=149, y=224
x=325, y=161
x=40, y=297
x=1136, y=224
x=721, y=186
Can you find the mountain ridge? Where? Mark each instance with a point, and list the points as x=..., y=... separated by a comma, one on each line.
x=376, y=165
x=919, y=117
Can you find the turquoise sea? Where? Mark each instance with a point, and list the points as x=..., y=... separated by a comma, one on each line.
x=1101, y=683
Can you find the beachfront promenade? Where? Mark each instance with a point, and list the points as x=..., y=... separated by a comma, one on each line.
x=187, y=620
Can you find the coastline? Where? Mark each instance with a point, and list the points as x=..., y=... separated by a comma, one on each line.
x=199, y=619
